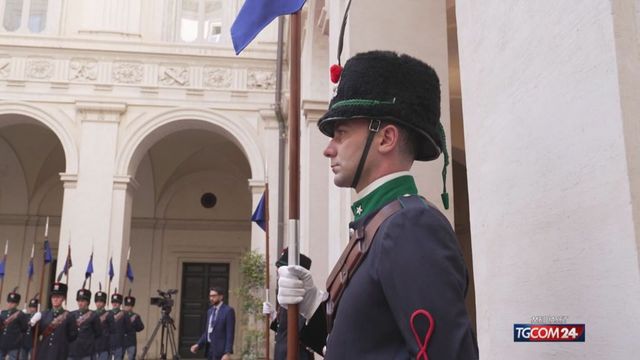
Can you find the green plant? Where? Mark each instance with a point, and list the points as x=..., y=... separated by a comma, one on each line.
x=252, y=267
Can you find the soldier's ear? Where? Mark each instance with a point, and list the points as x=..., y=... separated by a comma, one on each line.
x=388, y=138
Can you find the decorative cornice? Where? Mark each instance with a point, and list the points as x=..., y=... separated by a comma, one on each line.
x=257, y=186
x=69, y=181
x=124, y=182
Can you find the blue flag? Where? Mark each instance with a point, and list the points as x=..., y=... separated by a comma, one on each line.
x=89, y=270
x=30, y=269
x=47, y=252
x=259, y=215
x=111, y=273
x=255, y=15
x=129, y=272
x=2, y=269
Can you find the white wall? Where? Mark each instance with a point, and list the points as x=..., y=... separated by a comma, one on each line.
x=549, y=186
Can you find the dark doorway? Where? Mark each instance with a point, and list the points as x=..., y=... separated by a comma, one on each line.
x=197, y=279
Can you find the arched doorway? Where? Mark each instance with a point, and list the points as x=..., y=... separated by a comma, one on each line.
x=32, y=157
x=190, y=211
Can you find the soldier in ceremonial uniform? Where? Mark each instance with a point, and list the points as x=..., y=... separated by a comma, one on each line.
x=134, y=326
x=89, y=328
x=398, y=290
x=57, y=327
x=34, y=316
x=117, y=327
x=279, y=324
x=102, y=342
x=13, y=325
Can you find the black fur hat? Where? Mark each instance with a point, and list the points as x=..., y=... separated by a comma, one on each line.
x=100, y=296
x=390, y=87
x=59, y=288
x=33, y=303
x=83, y=294
x=13, y=296
x=116, y=298
x=129, y=301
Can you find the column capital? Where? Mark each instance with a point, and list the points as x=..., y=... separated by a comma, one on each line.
x=313, y=110
x=69, y=181
x=103, y=112
x=269, y=118
x=124, y=182
x=257, y=186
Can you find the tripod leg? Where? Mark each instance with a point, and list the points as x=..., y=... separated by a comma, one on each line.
x=174, y=348
x=148, y=344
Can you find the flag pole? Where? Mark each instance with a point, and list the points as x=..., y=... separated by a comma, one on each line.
x=34, y=352
x=108, y=271
x=294, y=171
x=267, y=264
x=4, y=265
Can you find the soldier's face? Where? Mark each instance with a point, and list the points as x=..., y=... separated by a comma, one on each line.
x=31, y=310
x=345, y=148
x=99, y=304
x=115, y=305
x=56, y=300
x=83, y=304
x=12, y=305
x=128, y=307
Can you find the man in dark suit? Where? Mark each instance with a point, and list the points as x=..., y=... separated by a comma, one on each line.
x=134, y=326
x=34, y=316
x=117, y=320
x=217, y=338
x=102, y=342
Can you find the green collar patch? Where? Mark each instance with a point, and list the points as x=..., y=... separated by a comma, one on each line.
x=383, y=195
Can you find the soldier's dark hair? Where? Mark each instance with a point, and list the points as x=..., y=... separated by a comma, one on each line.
x=408, y=139
x=218, y=290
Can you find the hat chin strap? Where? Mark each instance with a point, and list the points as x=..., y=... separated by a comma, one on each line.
x=374, y=127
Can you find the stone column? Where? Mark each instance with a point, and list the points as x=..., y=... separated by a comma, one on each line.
x=87, y=213
x=550, y=101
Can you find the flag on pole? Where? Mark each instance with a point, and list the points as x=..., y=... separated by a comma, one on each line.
x=2, y=269
x=111, y=272
x=259, y=214
x=129, y=272
x=89, y=270
x=48, y=257
x=255, y=15
x=30, y=268
x=67, y=263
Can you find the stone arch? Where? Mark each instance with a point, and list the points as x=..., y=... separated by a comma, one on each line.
x=58, y=124
x=148, y=131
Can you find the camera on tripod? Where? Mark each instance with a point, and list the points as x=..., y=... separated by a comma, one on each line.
x=164, y=301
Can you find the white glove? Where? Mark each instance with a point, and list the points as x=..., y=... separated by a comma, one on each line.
x=295, y=286
x=34, y=320
x=267, y=308
x=25, y=311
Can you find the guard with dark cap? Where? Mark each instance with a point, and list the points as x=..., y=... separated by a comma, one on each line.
x=89, y=328
x=279, y=323
x=102, y=342
x=57, y=327
x=398, y=289
x=14, y=324
x=117, y=327
x=33, y=316
x=134, y=326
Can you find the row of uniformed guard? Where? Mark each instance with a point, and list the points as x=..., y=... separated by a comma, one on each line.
x=81, y=334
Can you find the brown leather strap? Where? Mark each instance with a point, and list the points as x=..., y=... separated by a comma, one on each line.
x=83, y=318
x=352, y=256
x=54, y=324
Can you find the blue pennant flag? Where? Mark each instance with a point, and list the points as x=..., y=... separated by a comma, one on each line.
x=255, y=15
x=259, y=215
x=47, y=252
x=67, y=264
x=111, y=273
x=2, y=269
x=129, y=272
x=89, y=270
x=30, y=269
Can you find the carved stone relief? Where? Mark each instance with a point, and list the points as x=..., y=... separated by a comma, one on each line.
x=83, y=69
x=174, y=75
x=39, y=68
x=217, y=77
x=261, y=79
x=5, y=67
x=128, y=72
